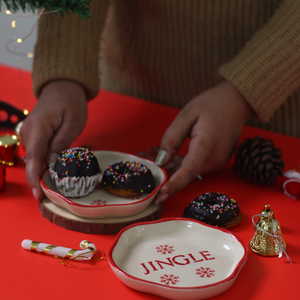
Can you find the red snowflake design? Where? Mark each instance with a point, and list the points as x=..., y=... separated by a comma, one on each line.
x=165, y=249
x=169, y=279
x=98, y=202
x=205, y=272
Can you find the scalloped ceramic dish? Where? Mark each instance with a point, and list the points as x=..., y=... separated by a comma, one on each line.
x=177, y=258
x=100, y=203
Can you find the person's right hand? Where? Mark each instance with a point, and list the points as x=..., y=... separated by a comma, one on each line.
x=57, y=119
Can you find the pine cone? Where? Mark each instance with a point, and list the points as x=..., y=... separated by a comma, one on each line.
x=258, y=160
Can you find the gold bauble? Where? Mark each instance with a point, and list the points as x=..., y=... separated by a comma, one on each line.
x=263, y=243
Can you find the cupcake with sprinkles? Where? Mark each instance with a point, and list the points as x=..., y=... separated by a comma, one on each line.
x=128, y=178
x=76, y=172
x=215, y=209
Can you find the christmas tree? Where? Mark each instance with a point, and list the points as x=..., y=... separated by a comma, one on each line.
x=80, y=7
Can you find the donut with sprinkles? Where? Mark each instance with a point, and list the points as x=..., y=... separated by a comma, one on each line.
x=215, y=209
x=128, y=178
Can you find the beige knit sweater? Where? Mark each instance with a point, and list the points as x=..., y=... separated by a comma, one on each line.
x=168, y=51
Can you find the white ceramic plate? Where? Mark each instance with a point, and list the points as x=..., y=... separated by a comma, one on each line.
x=177, y=258
x=100, y=203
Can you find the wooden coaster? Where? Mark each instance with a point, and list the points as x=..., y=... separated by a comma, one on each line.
x=64, y=218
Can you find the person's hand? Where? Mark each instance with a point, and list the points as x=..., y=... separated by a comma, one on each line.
x=170, y=168
x=213, y=120
x=57, y=119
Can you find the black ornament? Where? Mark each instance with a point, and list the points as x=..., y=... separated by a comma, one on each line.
x=10, y=115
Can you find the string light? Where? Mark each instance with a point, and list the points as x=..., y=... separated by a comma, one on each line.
x=17, y=41
x=20, y=40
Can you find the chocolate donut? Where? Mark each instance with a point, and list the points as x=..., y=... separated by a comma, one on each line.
x=128, y=178
x=214, y=209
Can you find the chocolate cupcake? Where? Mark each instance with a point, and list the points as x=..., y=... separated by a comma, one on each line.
x=214, y=209
x=76, y=172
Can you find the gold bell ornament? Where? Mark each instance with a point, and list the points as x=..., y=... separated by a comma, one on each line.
x=268, y=240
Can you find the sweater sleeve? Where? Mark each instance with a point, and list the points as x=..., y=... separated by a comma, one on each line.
x=267, y=69
x=68, y=48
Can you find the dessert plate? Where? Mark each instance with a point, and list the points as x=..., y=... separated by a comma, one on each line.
x=100, y=203
x=177, y=258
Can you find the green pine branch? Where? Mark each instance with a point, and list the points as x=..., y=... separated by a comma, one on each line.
x=80, y=7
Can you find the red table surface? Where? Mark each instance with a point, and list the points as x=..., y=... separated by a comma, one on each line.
x=126, y=124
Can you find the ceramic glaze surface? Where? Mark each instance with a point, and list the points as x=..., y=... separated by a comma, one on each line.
x=100, y=203
x=179, y=255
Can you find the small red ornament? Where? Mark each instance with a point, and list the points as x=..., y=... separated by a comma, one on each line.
x=2, y=177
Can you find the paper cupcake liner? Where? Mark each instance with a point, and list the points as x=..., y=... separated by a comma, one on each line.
x=74, y=186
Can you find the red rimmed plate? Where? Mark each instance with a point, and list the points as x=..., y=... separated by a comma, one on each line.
x=100, y=203
x=177, y=258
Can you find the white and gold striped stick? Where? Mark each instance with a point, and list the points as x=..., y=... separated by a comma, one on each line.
x=87, y=252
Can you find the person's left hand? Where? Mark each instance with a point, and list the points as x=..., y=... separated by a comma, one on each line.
x=213, y=121
x=170, y=168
